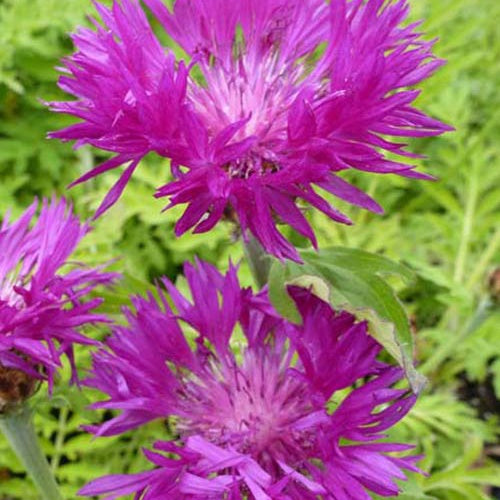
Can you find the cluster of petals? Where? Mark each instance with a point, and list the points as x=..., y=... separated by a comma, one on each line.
x=44, y=297
x=256, y=406
x=275, y=99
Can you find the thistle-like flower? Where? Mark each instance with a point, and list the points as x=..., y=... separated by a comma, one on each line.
x=255, y=405
x=279, y=97
x=43, y=298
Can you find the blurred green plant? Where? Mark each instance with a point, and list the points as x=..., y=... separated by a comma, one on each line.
x=447, y=232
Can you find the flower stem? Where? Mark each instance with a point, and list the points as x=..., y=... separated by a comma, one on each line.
x=56, y=457
x=17, y=427
x=483, y=312
x=258, y=260
x=485, y=260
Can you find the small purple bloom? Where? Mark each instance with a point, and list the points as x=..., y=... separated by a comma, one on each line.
x=252, y=400
x=43, y=296
x=279, y=97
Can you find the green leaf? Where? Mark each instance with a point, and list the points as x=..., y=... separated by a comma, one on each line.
x=351, y=279
x=360, y=261
x=316, y=285
x=465, y=475
x=278, y=295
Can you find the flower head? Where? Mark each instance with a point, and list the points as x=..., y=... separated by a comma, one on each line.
x=253, y=401
x=42, y=296
x=286, y=94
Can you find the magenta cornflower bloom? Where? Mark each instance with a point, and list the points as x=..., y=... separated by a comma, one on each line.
x=43, y=297
x=252, y=400
x=279, y=97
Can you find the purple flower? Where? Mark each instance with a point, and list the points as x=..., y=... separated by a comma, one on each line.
x=280, y=96
x=43, y=295
x=252, y=400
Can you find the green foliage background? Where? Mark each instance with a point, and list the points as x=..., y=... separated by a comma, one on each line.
x=448, y=232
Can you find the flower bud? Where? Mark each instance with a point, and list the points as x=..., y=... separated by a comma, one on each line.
x=15, y=388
